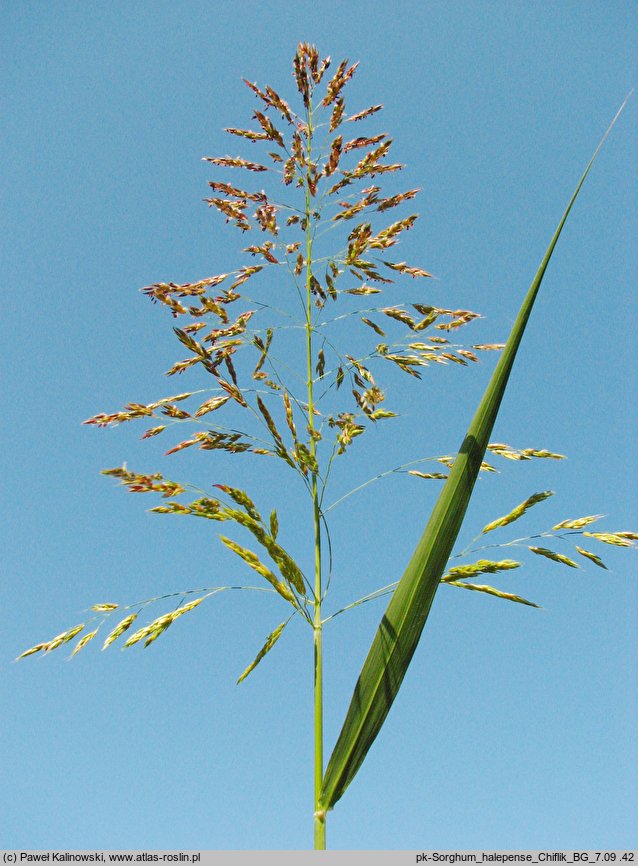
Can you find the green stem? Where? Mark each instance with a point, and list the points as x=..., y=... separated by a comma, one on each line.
x=319, y=815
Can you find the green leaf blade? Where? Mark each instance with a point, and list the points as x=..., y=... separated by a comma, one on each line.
x=400, y=629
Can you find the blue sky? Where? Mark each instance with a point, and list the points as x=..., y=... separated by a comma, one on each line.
x=515, y=728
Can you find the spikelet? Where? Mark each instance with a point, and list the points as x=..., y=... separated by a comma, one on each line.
x=490, y=590
x=519, y=511
x=487, y=347
x=274, y=524
x=591, y=556
x=83, y=642
x=138, y=483
x=266, y=216
x=288, y=407
x=63, y=638
x=335, y=155
x=274, y=432
x=191, y=605
x=437, y=475
x=187, y=443
x=263, y=347
x=271, y=640
x=151, y=632
x=372, y=325
x=395, y=200
x=543, y=453
x=153, y=431
x=338, y=81
x=363, y=290
x=337, y=114
x=255, y=563
x=232, y=210
x=119, y=629
x=363, y=114
x=219, y=186
x=556, y=557
x=379, y=414
x=270, y=98
x=270, y=131
x=247, y=133
x=235, y=162
x=362, y=141
x=34, y=649
x=467, y=354
x=616, y=538
x=241, y=498
x=510, y=453
x=234, y=392
x=483, y=566
x=211, y=405
x=404, y=268
x=578, y=523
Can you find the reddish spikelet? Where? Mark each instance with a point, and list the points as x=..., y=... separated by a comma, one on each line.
x=280, y=104
x=153, y=431
x=244, y=274
x=271, y=99
x=395, y=200
x=351, y=210
x=265, y=251
x=317, y=290
x=338, y=81
x=403, y=268
x=461, y=317
x=337, y=114
x=318, y=75
x=159, y=291
x=363, y=142
x=373, y=157
x=137, y=483
x=172, y=411
x=164, y=292
x=335, y=155
x=297, y=149
x=233, y=211
x=218, y=186
x=310, y=56
x=363, y=114
x=266, y=215
x=185, y=444
x=235, y=162
x=289, y=170
x=358, y=241
x=270, y=131
x=234, y=392
x=256, y=90
x=301, y=75
x=312, y=178
x=247, y=133
x=237, y=327
x=389, y=236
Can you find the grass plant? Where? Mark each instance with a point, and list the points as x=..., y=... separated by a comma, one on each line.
x=324, y=225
